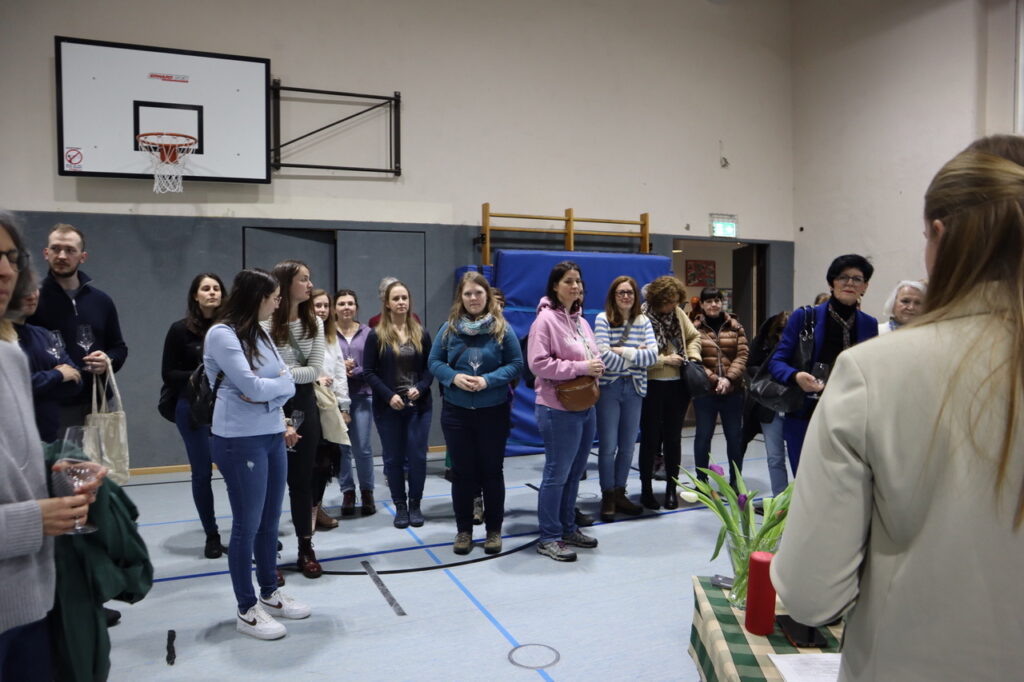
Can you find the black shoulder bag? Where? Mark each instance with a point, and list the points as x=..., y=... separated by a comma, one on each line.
x=779, y=397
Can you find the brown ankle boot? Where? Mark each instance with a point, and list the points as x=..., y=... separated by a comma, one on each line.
x=348, y=503
x=307, y=562
x=625, y=505
x=607, y=506
x=368, y=507
x=322, y=520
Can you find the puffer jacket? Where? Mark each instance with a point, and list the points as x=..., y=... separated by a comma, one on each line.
x=725, y=353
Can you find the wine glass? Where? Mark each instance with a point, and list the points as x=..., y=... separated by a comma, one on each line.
x=820, y=371
x=55, y=345
x=297, y=418
x=475, y=358
x=76, y=470
x=85, y=337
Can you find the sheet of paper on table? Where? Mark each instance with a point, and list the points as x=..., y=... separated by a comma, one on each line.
x=807, y=667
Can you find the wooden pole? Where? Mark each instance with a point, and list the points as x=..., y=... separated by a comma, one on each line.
x=486, y=225
x=570, y=239
x=645, y=233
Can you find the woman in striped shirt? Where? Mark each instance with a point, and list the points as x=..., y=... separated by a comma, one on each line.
x=298, y=335
x=628, y=347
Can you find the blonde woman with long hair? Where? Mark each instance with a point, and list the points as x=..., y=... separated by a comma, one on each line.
x=909, y=503
x=395, y=366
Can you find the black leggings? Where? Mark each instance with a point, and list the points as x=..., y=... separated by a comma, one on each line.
x=300, y=462
x=661, y=427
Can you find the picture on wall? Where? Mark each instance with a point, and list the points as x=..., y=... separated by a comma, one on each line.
x=700, y=273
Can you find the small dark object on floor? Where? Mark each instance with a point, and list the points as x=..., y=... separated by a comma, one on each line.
x=113, y=617
x=170, y=647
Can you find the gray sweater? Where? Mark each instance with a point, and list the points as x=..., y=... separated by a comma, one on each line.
x=26, y=555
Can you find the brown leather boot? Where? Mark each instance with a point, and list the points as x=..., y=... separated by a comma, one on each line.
x=625, y=505
x=323, y=521
x=307, y=562
x=368, y=508
x=348, y=503
x=607, y=506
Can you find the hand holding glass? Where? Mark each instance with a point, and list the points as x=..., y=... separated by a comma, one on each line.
x=85, y=337
x=820, y=371
x=77, y=472
x=297, y=417
x=475, y=358
x=55, y=345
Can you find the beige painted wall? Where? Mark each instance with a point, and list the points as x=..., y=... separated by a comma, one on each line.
x=607, y=107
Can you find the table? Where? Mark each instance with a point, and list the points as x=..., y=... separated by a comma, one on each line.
x=723, y=650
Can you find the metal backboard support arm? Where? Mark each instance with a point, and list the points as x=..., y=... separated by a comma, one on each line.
x=392, y=103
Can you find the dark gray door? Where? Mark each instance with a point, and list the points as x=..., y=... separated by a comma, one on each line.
x=748, y=287
x=265, y=247
x=366, y=256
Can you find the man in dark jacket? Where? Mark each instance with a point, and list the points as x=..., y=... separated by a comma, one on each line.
x=68, y=302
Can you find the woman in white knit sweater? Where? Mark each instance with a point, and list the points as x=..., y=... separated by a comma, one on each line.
x=628, y=347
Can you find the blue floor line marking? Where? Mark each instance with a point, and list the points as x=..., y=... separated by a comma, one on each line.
x=489, y=616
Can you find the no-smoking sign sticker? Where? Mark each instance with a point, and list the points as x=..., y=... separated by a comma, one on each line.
x=72, y=158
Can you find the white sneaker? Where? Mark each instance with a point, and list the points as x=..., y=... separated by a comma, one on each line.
x=257, y=623
x=281, y=605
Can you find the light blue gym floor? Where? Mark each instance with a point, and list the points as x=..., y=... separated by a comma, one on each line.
x=622, y=611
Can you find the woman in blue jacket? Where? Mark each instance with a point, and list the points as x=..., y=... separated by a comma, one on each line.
x=249, y=449
x=475, y=359
x=838, y=324
x=395, y=366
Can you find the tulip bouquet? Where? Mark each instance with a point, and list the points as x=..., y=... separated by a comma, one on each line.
x=741, y=532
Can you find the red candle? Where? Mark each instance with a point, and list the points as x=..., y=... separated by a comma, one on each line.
x=760, y=618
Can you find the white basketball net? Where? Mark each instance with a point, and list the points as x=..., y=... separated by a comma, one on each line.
x=168, y=153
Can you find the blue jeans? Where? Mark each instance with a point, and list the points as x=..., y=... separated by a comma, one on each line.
x=775, y=448
x=255, y=469
x=568, y=437
x=618, y=425
x=197, y=447
x=730, y=408
x=361, y=411
x=403, y=436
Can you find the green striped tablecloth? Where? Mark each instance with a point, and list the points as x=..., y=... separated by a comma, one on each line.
x=723, y=650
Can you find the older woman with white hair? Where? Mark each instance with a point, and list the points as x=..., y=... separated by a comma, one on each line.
x=904, y=304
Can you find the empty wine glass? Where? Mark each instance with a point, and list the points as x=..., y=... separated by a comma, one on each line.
x=75, y=469
x=820, y=371
x=297, y=418
x=55, y=345
x=475, y=358
x=85, y=337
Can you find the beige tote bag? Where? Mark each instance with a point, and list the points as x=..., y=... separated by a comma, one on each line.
x=332, y=426
x=111, y=424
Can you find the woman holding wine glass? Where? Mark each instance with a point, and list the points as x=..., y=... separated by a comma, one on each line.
x=838, y=324
x=54, y=375
x=298, y=335
x=183, y=352
x=29, y=517
x=248, y=447
x=475, y=359
x=395, y=366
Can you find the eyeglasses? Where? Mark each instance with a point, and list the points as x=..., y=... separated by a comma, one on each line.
x=850, y=279
x=277, y=299
x=13, y=258
x=625, y=292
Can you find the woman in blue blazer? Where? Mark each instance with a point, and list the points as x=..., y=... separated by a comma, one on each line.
x=838, y=324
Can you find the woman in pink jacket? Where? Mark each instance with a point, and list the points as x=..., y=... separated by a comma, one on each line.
x=562, y=347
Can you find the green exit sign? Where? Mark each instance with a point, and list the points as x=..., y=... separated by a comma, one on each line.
x=723, y=225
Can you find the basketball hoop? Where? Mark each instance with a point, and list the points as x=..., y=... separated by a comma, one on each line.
x=168, y=152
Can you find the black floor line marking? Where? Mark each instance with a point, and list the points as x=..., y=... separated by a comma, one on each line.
x=390, y=598
x=530, y=485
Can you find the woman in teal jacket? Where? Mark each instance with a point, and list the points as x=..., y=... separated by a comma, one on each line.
x=475, y=359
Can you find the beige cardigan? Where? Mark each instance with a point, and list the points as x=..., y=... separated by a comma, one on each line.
x=895, y=515
x=659, y=370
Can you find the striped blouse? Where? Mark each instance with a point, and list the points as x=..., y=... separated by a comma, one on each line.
x=635, y=360
x=312, y=348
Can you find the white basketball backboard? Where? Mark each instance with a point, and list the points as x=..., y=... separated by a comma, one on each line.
x=108, y=93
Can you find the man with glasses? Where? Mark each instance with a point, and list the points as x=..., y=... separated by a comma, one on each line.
x=70, y=304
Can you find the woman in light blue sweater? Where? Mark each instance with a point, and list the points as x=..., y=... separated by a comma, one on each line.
x=249, y=448
x=628, y=347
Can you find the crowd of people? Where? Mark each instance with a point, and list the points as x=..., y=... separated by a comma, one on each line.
x=298, y=380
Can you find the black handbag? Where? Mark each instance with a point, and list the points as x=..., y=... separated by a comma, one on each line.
x=779, y=397
x=168, y=403
x=696, y=378
x=201, y=397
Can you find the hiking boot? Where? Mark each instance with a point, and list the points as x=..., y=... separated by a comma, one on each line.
x=478, y=511
x=492, y=545
x=401, y=515
x=368, y=508
x=213, y=549
x=583, y=520
x=578, y=539
x=281, y=605
x=348, y=503
x=463, y=543
x=625, y=505
x=415, y=515
x=607, y=506
x=258, y=623
x=556, y=550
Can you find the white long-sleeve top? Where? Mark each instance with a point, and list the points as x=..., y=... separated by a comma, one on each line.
x=334, y=367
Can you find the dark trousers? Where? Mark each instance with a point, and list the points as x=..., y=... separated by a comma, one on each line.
x=300, y=462
x=25, y=652
x=794, y=429
x=403, y=438
x=661, y=427
x=476, y=442
x=197, y=447
x=730, y=408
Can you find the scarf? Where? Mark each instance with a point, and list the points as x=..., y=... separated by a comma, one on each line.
x=666, y=328
x=846, y=325
x=481, y=325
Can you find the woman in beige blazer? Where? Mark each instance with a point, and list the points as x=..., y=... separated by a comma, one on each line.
x=909, y=503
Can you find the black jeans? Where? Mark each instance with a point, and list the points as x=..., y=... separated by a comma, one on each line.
x=476, y=441
x=661, y=427
x=300, y=462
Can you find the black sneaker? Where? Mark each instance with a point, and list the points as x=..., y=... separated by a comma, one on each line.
x=583, y=520
x=578, y=539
